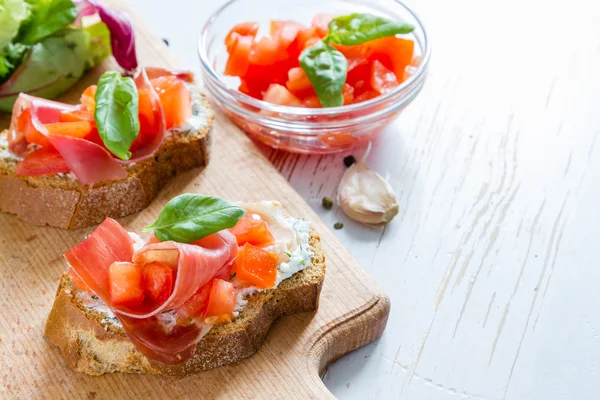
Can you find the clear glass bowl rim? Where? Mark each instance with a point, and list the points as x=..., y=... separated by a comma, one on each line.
x=301, y=111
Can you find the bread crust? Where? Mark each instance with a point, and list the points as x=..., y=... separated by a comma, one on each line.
x=61, y=201
x=94, y=347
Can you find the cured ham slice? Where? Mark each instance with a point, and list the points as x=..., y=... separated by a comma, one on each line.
x=194, y=266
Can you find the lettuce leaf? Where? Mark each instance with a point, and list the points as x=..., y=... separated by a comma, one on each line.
x=47, y=17
x=100, y=47
x=10, y=58
x=51, y=67
x=12, y=14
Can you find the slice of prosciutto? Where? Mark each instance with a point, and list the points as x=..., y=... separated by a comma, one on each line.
x=194, y=265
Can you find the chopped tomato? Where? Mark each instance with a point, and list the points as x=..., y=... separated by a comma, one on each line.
x=175, y=99
x=311, y=42
x=298, y=83
x=348, y=94
x=337, y=139
x=382, y=79
x=278, y=94
x=256, y=266
x=77, y=116
x=237, y=63
x=221, y=301
x=196, y=305
x=368, y=95
x=43, y=161
x=311, y=102
x=77, y=129
x=25, y=125
x=243, y=29
x=125, y=284
x=285, y=32
x=267, y=51
x=78, y=282
x=393, y=52
x=321, y=23
x=88, y=98
x=251, y=228
x=157, y=281
x=276, y=73
x=253, y=88
x=149, y=124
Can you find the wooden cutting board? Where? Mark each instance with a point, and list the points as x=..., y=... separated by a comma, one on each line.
x=353, y=311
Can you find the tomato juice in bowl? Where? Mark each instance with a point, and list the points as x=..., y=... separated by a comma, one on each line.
x=297, y=128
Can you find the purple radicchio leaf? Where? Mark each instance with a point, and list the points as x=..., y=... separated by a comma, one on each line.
x=122, y=36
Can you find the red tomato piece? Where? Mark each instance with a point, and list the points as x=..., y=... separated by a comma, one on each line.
x=88, y=98
x=79, y=129
x=395, y=53
x=382, y=79
x=221, y=301
x=43, y=161
x=125, y=284
x=196, y=305
x=311, y=102
x=368, y=95
x=175, y=99
x=266, y=51
x=157, y=281
x=298, y=83
x=237, y=63
x=253, y=88
x=348, y=94
x=25, y=125
x=321, y=23
x=276, y=73
x=256, y=266
x=311, y=42
x=278, y=94
x=285, y=32
x=337, y=139
x=251, y=228
x=243, y=29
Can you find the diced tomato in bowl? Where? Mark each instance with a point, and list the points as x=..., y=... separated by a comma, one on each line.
x=272, y=97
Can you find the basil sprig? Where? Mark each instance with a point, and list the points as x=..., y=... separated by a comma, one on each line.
x=353, y=29
x=326, y=67
x=116, y=113
x=190, y=217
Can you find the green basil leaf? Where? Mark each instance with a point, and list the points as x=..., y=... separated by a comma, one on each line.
x=47, y=17
x=116, y=113
x=326, y=69
x=190, y=217
x=354, y=29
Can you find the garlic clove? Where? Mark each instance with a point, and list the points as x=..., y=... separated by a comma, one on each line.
x=366, y=196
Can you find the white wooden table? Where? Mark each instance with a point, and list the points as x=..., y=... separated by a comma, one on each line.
x=492, y=264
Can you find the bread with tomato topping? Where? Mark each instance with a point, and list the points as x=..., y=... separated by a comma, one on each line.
x=92, y=344
x=60, y=200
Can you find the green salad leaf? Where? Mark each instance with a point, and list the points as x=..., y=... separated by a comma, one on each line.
x=355, y=29
x=190, y=217
x=117, y=112
x=47, y=18
x=100, y=46
x=50, y=68
x=12, y=14
x=10, y=58
x=326, y=69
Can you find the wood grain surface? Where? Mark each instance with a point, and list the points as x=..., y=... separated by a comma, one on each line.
x=353, y=311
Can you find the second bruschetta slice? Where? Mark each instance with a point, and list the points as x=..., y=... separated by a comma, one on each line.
x=71, y=166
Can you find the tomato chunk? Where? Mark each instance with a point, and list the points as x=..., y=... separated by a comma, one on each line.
x=88, y=98
x=25, y=126
x=382, y=79
x=243, y=29
x=298, y=83
x=77, y=129
x=175, y=99
x=321, y=23
x=237, y=63
x=77, y=116
x=252, y=229
x=256, y=266
x=285, y=32
x=43, y=161
x=395, y=53
x=267, y=51
x=157, y=281
x=125, y=284
x=278, y=94
x=196, y=305
x=221, y=301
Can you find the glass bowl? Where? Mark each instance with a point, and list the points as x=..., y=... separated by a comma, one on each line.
x=306, y=130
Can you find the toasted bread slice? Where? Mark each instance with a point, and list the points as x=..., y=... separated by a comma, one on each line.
x=91, y=343
x=60, y=200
